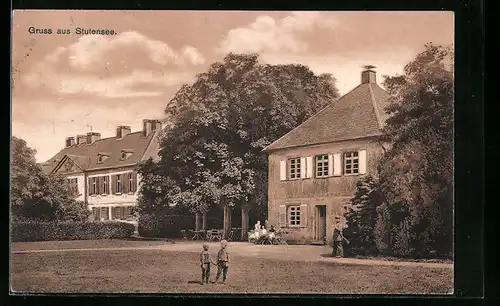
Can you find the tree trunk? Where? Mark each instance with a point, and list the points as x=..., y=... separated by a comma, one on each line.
x=227, y=221
x=244, y=223
x=204, y=223
x=197, y=227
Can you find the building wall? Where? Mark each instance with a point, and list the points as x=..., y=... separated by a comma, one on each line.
x=110, y=201
x=335, y=191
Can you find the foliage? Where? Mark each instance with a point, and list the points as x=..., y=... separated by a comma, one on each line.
x=37, y=195
x=211, y=148
x=415, y=174
x=35, y=230
x=362, y=216
x=154, y=201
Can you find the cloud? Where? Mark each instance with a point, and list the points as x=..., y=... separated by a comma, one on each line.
x=118, y=87
x=108, y=67
x=91, y=49
x=268, y=34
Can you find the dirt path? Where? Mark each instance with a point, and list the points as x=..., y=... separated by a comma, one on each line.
x=305, y=253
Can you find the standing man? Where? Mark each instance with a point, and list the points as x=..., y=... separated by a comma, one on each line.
x=338, y=250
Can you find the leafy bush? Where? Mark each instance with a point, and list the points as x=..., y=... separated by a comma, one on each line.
x=46, y=231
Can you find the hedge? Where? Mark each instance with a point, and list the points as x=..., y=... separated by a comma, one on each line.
x=86, y=230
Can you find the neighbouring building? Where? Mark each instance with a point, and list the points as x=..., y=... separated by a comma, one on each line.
x=313, y=169
x=103, y=172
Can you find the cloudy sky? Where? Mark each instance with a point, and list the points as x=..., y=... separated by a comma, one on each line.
x=63, y=85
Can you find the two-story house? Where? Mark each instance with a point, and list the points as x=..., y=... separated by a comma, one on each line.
x=313, y=169
x=103, y=172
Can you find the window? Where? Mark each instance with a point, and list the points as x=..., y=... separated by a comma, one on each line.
x=119, y=183
x=294, y=168
x=122, y=213
x=294, y=216
x=93, y=185
x=99, y=159
x=96, y=213
x=322, y=165
x=73, y=186
x=127, y=214
x=124, y=155
x=105, y=184
x=104, y=213
x=351, y=163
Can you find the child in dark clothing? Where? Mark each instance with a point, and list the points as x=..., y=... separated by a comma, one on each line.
x=205, y=260
x=222, y=262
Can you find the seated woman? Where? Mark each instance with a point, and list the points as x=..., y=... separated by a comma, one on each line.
x=272, y=234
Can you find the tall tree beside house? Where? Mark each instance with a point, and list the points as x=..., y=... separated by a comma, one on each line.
x=361, y=216
x=218, y=126
x=155, y=199
x=416, y=172
x=35, y=195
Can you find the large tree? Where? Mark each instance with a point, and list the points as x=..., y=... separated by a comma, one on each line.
x=217, y=127
x=36, y=195
x=416, y=172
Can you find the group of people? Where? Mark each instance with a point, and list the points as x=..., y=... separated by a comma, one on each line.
x=222, y=263
x=261, y=231
x=222, y=260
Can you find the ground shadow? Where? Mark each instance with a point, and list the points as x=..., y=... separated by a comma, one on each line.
x=195, y=282
x=326, y=255
x=148, y=239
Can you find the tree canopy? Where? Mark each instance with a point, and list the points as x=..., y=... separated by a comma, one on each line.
x=415, y=174
x=36, y=195
x=211, y=147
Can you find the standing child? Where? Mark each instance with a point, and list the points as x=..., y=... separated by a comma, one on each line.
x=222, y=262
x=205, y=259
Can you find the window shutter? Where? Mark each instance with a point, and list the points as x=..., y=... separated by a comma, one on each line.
x=282, y=216
x=100, y=187
x=330, y=165
x=303, y=165
x=362, y=161
x=303, y=215
x=134, y=179
x=309, y=166
x=283, y=170
x=112, y=183
x=125, y=182
x=89, y=186
x=337, y=164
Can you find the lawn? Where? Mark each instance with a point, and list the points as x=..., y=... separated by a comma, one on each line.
x=159, y=271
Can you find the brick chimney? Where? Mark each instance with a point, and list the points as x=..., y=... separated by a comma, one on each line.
x=81, y=139
x=92, y=137
x=150, y=125
x=122, y=130
x=70, y=141
x=369, y=75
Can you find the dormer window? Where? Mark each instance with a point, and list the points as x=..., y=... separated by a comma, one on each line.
x=101, y=157
x=126, y=153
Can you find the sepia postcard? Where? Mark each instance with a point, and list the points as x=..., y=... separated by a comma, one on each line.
x=241, y=152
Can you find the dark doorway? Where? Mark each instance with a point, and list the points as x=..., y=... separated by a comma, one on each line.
x=320, y=222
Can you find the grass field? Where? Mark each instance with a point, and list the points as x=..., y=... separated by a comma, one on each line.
x=159, y=271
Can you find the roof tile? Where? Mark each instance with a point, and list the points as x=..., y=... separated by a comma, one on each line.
x=357, y=114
